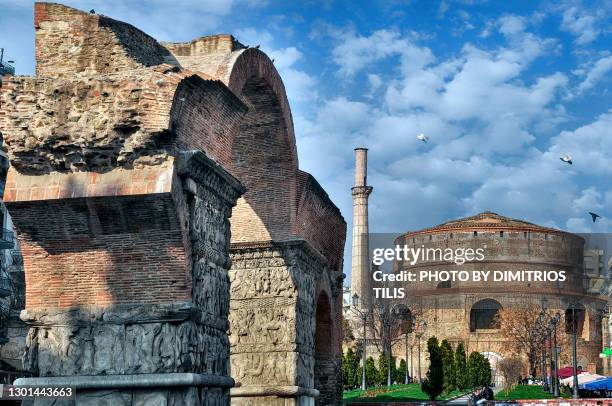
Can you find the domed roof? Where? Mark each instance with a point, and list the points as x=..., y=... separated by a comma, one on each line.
x=486, y=220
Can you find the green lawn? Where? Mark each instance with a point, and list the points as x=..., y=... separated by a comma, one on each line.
x=394, y=393
x=525, y=392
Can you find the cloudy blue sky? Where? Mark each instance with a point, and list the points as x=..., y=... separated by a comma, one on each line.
x=502, y=89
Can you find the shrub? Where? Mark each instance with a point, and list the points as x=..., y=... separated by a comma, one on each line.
x=511, y=369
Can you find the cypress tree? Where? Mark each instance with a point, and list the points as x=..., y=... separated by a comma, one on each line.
x=351, y=364
x=461, y=370
x=400, y=375
x=434, y=382
x=479, y=370
x=382, y=369
x=448, y=362
x=371, y=372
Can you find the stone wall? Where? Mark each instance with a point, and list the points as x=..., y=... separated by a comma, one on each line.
x=272, y=317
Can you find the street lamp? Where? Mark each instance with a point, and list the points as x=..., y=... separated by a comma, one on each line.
x=419, y=330
x=364, y=317
x=574, y=355
x=553, y=326
x=387, y=335
x=543, y=333
x=406, y=357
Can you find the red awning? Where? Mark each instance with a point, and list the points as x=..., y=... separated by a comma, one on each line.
x=566, y=372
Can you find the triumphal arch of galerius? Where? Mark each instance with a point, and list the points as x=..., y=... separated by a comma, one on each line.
x=159, y=204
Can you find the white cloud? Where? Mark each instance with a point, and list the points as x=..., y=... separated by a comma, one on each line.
x=589, y=146
x=354, y=52
x=580, y=23
x=374, y=81
x=511, y=25
x=596, y=73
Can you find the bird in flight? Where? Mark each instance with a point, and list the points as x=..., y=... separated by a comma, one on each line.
x=422, y=137
x=567, y=158
x=594, y=216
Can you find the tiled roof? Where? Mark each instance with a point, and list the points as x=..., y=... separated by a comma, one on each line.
x=486, y=220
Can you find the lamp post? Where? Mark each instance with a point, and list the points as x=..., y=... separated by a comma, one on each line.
x=553, y=325
x=419, y=330
x=411, y=362
x=544, y=373
x=406, y=354
x=388, y=352
x=551, y=364
x=542, y=332
x=364, y=318
x=574, y=355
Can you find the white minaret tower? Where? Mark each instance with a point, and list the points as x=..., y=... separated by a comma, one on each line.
x=360, y=269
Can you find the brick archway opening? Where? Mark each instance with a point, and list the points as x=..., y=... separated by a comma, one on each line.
x=483, y=315
x=262, y=159
x=324, y=368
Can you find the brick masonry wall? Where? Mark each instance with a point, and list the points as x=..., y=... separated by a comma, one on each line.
x=70, y=41
x=101, y=251
x=206, y=116
x=320, y=221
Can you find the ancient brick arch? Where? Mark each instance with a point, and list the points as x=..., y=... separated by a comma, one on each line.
x=263, y=153
x=252, y=63
x=284, y=233
x=178, y=129
x=326, y=377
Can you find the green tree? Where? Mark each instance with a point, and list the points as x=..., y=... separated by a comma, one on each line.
x=479, y=370
x=371, y=372
x=400, y=373
x=394, y=371
x=434, y=381
x=485, y=371
x=350, y=366
x=345, y=372
x=461, y=370
x=382, y=369
x=448, y=362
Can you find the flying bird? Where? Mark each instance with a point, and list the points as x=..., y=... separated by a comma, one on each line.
x=422, y=137
x=594, y=216
x=567, y=158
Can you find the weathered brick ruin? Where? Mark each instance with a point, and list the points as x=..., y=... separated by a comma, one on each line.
x=129, y=159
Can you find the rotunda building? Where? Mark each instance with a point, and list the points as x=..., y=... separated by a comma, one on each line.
x=523, y=263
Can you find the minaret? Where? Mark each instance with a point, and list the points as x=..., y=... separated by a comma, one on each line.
x=360, y=269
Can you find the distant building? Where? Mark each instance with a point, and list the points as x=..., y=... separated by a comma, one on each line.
x=595, y=272
x=5, y=67
x=466, y=311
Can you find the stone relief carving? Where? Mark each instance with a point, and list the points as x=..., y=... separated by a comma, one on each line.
x=272, y=314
